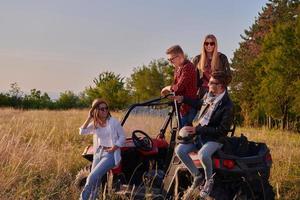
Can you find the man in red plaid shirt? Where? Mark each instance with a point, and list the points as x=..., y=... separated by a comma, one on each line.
x=184, y=84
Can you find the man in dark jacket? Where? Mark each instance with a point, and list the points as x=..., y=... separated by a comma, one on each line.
x=213, y=123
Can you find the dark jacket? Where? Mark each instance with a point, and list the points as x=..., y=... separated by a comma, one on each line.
x=220, y=121
x=223, y=66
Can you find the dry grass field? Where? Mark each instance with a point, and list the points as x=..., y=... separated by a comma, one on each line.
x=40, y=154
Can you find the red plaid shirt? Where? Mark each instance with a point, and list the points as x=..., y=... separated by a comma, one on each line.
x=185, y=83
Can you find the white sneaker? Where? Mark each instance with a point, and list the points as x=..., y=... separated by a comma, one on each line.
x=206, y=190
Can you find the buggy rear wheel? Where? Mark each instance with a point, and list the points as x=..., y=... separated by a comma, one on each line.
x=267, y=192
x=257, y=190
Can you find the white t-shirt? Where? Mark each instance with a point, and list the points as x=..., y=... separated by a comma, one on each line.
x=104, y=137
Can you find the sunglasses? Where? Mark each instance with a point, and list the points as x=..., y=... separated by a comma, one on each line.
x=209, y=43
x=103, y=108
x=213, y=83
x=171, y=59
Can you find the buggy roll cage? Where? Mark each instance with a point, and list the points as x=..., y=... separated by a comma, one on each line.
x=158, y=102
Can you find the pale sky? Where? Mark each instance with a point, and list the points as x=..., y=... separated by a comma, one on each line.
x=58, y=45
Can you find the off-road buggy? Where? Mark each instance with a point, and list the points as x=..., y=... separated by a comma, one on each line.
x=151, y=170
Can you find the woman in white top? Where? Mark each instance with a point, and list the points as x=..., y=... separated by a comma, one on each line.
x=108, y=138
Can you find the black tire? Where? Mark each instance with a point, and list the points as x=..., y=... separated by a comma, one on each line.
x=81, y=177
x=242, y=195
x=158, y=197
x=257, y=190
x=219, y=193
x=298, y=127
x=267, y=192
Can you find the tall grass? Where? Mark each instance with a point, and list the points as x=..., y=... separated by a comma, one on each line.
x=40, y=154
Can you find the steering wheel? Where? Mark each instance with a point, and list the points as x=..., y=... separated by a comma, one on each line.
x=142, y=141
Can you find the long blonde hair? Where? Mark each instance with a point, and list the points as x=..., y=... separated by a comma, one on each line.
x=215, y=58
x=95, y=104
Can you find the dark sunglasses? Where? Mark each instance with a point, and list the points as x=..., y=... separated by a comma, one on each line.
x=213, y=83
x=103, y=108
x=209, y=43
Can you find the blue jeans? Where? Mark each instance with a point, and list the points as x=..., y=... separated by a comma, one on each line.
x=188, y=118
x=205, y=154
x=102, y=163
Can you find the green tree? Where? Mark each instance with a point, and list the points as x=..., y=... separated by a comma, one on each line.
x=110, y=87
x=15, y=95
x=36, y=100
x=67, y=100
x=147, y=81
x=280, y=72
x=4, y=100
x=296, y=84
x=83, y=100
x=247, y=64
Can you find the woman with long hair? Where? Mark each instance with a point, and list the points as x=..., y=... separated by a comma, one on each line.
x=209, y=61
x=108, y=138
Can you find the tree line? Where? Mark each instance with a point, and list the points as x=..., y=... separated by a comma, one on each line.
x=144, y=83
x=266, y=68
x=265, y=86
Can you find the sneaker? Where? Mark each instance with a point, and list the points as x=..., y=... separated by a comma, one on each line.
x=206, y=190
x=198, y=180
